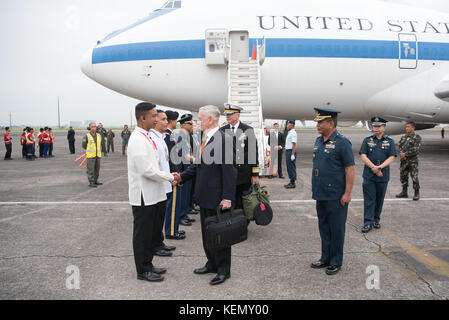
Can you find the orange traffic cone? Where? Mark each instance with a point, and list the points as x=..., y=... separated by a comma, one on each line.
x=254, y=55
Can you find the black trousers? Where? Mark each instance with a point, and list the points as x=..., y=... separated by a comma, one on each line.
x=160, y=227
x=280, y=162
x=218, y=261
x=72, y=146
x=41, y=150
x=145, y=235
x=50, y=150
x=8, y=151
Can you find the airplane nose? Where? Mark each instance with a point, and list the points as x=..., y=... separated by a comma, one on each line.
x=86, y=64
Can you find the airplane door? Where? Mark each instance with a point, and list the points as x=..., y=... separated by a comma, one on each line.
x=408, y=51
x=239, y=41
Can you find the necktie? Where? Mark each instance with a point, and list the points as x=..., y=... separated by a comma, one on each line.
x=203, y=144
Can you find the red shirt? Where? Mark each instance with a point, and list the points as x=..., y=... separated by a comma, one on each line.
x=46, y=137
x=7, y=138
x=23, y=138
x=30, y=138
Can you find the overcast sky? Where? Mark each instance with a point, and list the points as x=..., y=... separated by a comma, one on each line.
x=42, y=45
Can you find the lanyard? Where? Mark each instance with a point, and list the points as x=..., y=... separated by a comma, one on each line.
x=150, y=140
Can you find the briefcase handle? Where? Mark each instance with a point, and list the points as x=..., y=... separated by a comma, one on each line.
x=220, y=211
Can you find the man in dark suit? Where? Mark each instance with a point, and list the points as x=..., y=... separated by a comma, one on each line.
x=276, y=141
x=215, y=186
x=71, y=139
x=173, y=210
x=246, y=151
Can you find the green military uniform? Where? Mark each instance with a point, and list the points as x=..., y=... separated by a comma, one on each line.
x=125, y=138
x=104, y=139
x=410, y=145
x=93, y=152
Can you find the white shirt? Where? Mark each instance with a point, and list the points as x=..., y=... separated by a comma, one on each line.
x=145, y=175
x=291, y=138
x=235, y=127
x=162, y=151
x=211, y=133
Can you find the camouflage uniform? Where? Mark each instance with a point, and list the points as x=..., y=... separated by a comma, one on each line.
x=410, y=145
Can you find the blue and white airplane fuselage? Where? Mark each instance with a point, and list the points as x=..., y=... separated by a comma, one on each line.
x=364, y=58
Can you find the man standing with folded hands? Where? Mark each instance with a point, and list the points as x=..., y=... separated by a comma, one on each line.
x=146, y=192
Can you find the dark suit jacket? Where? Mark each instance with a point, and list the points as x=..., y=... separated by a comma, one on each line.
x=280, y=142
x=171, y=143
x=215, y=181
x=71, y=135
x=248, y=166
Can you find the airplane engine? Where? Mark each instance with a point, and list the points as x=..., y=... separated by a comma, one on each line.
x=347, y=123
x=396, y=128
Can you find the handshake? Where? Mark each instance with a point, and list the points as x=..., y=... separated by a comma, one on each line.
x=177, y=181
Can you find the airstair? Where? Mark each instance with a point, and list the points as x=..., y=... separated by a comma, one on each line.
x=244, y=91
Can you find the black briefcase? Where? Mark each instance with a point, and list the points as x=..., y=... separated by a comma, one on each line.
x=226, y=229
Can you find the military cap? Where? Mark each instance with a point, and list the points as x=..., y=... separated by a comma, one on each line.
x=378, y=121
x=293, y=122
x=231, y=109
x=186, y=119
x=172, y=115
x=323, y=114
x=263, y=214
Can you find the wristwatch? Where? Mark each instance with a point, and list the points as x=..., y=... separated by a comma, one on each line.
x=379, y=168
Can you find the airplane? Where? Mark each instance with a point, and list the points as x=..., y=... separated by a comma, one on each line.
x=364, y=58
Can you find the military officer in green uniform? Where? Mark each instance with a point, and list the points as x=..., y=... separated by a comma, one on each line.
x=408, y=151
x=104, y=138
x=92, y=144
x=125, y=138
x=332, y=182
x=378, y=151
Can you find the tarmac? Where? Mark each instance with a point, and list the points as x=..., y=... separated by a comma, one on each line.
x=52, y=226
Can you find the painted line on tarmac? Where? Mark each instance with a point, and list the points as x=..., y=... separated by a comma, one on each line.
x=127, y=203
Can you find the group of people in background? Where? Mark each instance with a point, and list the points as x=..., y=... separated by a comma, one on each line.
x=42, y=142
x=28, y=140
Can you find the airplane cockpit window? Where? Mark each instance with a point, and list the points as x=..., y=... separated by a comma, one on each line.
x=172, y=4
x=169, y=6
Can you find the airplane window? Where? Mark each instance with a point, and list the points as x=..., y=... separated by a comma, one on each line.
x=172, y=4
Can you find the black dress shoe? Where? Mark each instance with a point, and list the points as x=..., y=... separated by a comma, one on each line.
x=219, y=279
x=185, y=222
x=163, y=253
x=150, y=276
x=190, y=219
x=376, y=225
x=281, y=177
x=203, y=270
x=318, y=264
x=194, y=211
x=181, y=232
x=98, y=183
x=177, y=236
x=92, y=185
x=168, y=248
x=367, y=228
x=159, y=270
x=290, y=186
x=331, y=270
